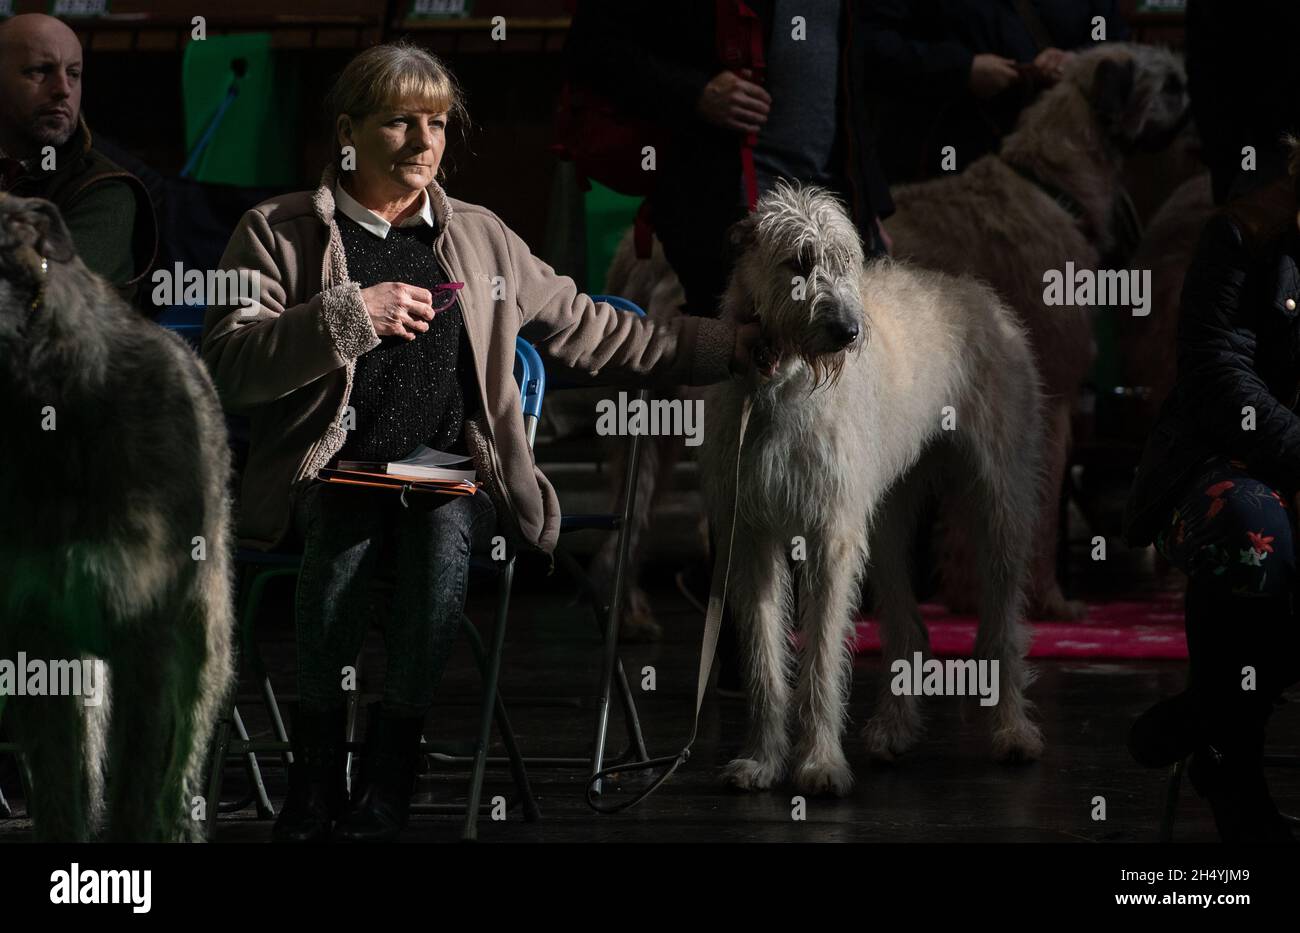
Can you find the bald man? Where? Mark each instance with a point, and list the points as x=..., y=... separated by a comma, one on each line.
x=45, y=152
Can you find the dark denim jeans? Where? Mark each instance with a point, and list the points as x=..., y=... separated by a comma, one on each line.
x=350, y=536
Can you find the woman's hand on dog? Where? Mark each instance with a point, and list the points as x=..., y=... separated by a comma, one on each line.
x=747, y=338
x=398, y=310
x=1050, y=64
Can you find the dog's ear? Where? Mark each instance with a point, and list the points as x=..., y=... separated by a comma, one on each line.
x=1112, y=89
x=38, y=225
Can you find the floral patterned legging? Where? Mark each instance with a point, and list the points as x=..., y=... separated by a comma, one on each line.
x=1234, y=530
x=1235, y=538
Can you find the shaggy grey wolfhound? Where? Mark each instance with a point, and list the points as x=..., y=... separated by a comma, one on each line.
x=117, y=462
x=1046, y=199
x=877, y=381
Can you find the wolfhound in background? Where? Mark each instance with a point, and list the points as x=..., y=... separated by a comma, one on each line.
x=1148, y=345
x=114, y=541
x=876, y=381
x=1046, y=199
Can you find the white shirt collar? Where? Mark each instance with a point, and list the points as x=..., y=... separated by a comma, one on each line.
x=371, y=221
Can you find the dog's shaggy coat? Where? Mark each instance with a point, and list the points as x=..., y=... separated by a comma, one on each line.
x=994, y=222
x=880, y=380
x=114, y=539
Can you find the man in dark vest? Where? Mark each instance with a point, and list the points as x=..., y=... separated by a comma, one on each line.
x=45, y=152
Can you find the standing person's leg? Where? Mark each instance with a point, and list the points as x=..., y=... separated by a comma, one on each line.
x=1234, y=536
x=435, y=536
x=693, y=230
x=340, y=529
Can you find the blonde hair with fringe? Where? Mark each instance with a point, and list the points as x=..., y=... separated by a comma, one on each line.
x=387, y=76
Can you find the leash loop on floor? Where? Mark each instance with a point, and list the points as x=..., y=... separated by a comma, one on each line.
x=708, y=648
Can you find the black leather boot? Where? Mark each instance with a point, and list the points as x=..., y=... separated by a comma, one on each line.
x=380, y=811
x=1229, y=774
x=317, y=778
x=1167, y=732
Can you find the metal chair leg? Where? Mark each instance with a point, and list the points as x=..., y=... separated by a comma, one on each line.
x=490, y=681
x=277, y=721
x=6, y=811
x=631, y=720
x=1172, y=788
x=264, y=809
x=517, y=769
x=616, y=603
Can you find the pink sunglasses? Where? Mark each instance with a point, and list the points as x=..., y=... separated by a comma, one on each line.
x=444, y=296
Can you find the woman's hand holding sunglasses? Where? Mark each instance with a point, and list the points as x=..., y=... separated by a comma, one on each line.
x=400, y=310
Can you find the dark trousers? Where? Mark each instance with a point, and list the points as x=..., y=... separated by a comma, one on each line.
x=693, y=225
x=352, y=536
x=1235, y=537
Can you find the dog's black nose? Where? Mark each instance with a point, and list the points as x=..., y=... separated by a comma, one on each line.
x=845, y=332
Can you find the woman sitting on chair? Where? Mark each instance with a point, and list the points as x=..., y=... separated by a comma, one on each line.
x=387, y=319
x=1216, y=491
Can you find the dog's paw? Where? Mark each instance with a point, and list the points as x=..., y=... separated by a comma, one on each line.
x=1018, y=743
x=887, y=737
x=821, y=776
x=751, y=774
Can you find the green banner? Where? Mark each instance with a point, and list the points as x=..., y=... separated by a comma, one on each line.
x=256, y=140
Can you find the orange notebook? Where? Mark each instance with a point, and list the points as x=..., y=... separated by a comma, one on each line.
x=398, y=482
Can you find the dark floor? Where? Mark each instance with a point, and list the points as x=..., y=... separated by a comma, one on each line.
x=947, y=790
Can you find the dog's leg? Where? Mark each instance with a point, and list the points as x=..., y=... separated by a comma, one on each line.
x=213, y=629
x=1046, y=601
x=51, y=731
x=759, y=594
x=155, y=682
x=896, y=724
x=952, y=545
x=1005, y=506
x=828, y=591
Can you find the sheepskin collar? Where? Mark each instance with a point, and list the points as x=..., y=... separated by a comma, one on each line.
x=322, y=201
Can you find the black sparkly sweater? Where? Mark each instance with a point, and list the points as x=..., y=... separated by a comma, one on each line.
x=407, y=392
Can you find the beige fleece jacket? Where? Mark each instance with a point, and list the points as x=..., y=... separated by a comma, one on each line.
x=287, y=360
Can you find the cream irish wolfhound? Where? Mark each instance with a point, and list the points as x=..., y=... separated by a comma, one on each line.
x=1046, y=199
x=878, y=380
x=114, y=542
